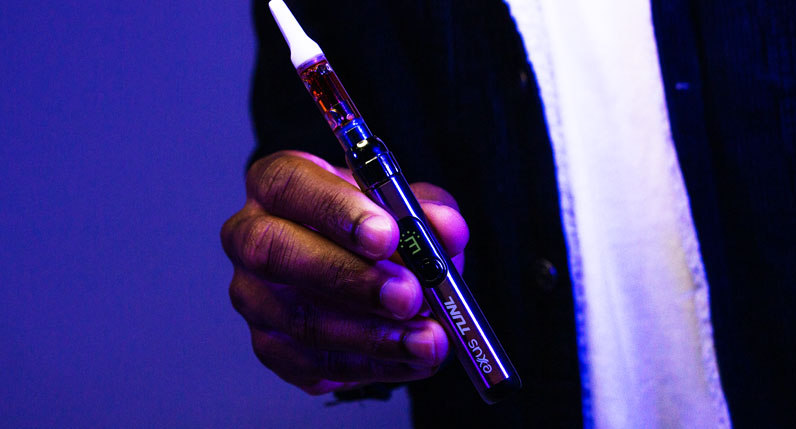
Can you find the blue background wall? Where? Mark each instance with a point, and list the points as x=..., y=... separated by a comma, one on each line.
x=124, y=131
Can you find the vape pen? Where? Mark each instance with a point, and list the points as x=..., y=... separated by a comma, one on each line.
x=378, y=175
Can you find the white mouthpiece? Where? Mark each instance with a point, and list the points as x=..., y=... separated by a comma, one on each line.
x=302, y=48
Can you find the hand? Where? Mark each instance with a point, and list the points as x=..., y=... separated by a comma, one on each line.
x=328, y=305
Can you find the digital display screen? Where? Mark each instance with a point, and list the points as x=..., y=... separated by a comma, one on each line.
x=419, y=252
x=410, y=241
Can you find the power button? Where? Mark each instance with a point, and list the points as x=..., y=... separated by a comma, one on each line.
x=432, y=270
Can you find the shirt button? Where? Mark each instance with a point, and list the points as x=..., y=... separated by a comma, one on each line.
x=545, y=275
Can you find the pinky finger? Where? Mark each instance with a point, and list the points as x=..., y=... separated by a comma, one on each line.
x=317, y=372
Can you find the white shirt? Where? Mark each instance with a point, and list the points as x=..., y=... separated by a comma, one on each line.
x=641, y=295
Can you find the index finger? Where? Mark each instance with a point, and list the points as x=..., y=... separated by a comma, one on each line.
x=307, y=192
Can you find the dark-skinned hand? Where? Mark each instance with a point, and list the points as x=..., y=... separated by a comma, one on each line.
x=328, y=303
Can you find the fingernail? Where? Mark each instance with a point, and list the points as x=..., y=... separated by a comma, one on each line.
x=422, y=345
x=374, y=234
x=398, y=297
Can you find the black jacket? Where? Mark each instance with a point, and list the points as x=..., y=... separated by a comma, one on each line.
x=447, y=86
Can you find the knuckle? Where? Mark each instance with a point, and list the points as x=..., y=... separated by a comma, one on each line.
x=263, y=350
x=337, y=365
x=267, y=246
x=304, y=322
x=376, y=370
x=247, y=302
x=270, y=178
x=343, y=273
x=253, y=238
x=376, y=337
x=335, y=211
x=237, y=296
x=270, y=351
x=287, y=362
x=351, y=367
x=228, y=233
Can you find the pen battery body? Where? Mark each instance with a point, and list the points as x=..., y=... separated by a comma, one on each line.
x=471, y=337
